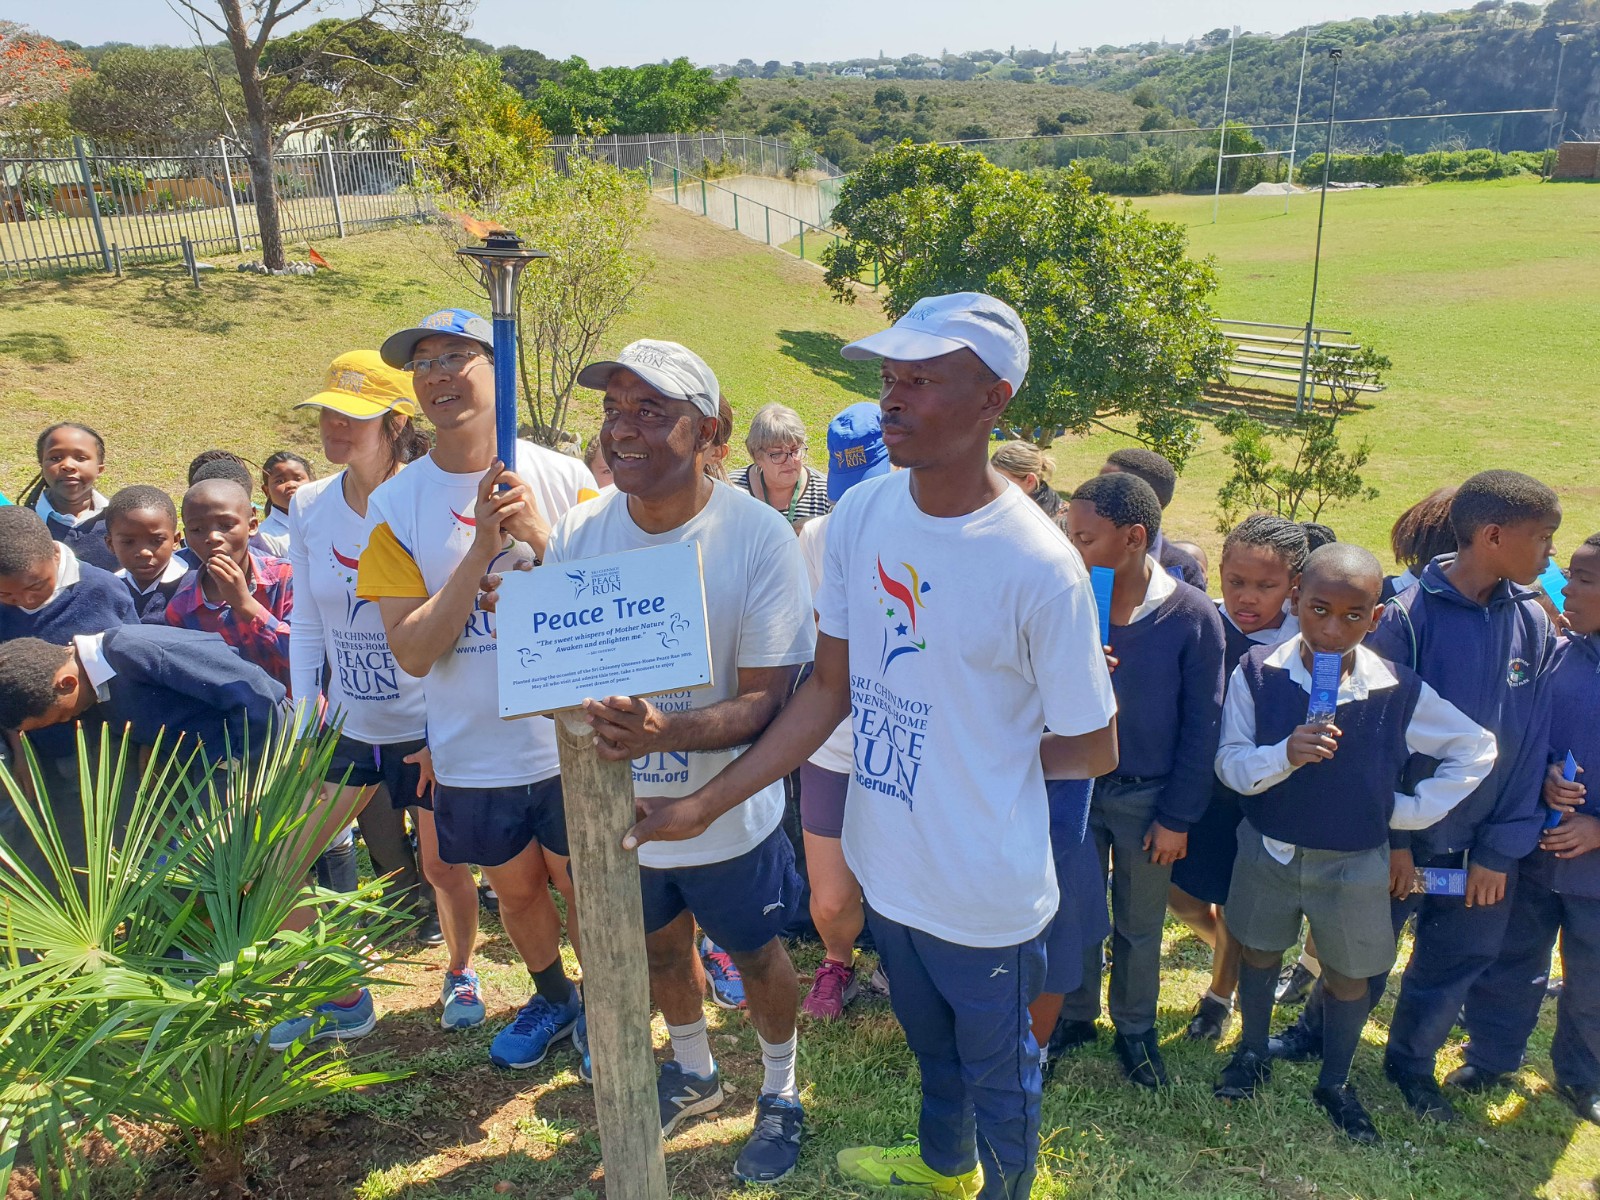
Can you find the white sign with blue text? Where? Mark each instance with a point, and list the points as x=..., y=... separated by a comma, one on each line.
x=630, y=624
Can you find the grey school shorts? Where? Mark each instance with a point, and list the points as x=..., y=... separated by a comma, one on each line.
x=1342, y=894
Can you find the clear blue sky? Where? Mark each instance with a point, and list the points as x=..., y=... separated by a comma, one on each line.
x=627, y=32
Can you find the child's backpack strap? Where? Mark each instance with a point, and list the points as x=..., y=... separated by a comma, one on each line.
x=1411, y=629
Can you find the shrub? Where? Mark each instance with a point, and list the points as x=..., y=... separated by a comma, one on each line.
x=126, y=181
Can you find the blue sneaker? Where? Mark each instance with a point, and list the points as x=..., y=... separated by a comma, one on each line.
x=326, y=1021
x=580, y=1043
x=774, y=1145
x=683, y=1095
x=463, y=1005
x=526, y=1041
x=727, y=985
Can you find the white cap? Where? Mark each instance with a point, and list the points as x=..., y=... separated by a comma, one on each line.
x=673, y=370
x=938, y=325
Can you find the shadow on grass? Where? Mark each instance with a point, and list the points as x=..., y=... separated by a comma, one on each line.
x=1273, y=409
x=819, y=353
x=37, y=349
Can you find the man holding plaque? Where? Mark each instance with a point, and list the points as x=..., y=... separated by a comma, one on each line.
x=736, y=877
x=955, y=624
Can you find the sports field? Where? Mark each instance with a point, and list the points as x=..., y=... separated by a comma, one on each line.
x=1484, y=295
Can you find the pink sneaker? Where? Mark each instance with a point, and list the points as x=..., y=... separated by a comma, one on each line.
x=835, y=986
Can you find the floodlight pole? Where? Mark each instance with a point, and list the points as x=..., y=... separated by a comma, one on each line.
x=1557, y=122
x=1334, y=55
x=1222, y=131
x=1294, y=136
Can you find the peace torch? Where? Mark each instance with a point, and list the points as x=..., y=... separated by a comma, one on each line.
x=500, y=261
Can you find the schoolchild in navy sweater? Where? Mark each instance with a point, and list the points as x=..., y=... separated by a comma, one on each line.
x=1558, y=885
x=1166, y=648
x=1319, y=800
x=71, y=460
x=142, y=530
x=1162, y=477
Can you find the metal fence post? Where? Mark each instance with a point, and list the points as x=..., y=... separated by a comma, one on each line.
x=674, y=185
x=704, y=211
x=333, y=187
x=89, y=198
x=802, y=241
x=736, y=212
x=768, y=211
x=233, y=201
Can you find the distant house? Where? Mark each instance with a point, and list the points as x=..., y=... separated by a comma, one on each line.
x=1077, y=60
x=852, y=73
x=1007, y=61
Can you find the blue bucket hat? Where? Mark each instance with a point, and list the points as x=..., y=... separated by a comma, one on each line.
x=398, y=348
x=855, y=448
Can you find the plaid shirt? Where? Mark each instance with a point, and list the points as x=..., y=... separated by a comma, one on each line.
x=264, y=641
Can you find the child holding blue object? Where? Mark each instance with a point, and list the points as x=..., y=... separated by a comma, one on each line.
x=1167, y=645
x=1261, y=561
x=1319, y=796
x=1558, y=885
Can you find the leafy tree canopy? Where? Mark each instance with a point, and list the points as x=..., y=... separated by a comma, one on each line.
x=655, y=98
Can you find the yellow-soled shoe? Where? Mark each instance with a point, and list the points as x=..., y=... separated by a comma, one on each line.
x=902, y=1169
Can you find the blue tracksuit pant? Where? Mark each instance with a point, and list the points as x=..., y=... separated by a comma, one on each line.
x=1503, y=1007
x=965, y=1013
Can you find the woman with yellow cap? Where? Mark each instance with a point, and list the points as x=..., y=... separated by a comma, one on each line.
x=366, y=414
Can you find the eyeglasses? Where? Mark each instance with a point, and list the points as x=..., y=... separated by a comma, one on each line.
x=450, y=363
x=778, y=457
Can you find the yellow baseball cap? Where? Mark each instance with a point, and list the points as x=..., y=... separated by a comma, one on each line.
x=362, y=386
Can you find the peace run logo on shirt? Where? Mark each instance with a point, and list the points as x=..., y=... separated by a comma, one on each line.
x=900, y=613
x=346, y=566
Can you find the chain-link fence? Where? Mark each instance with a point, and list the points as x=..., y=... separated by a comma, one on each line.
x=708, y=154
x=70, y=205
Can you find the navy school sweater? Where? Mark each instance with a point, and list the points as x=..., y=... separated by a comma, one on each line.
x=1169, y=684
x=1342, y=803
x=1574, y=685
x=151, y=607
x=187, y=683
x=1490, y=661
x=88, y=540
x=1180, y=563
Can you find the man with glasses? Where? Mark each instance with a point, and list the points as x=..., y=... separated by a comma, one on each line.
x=442, y=523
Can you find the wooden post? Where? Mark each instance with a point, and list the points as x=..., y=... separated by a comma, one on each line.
x=616, y=978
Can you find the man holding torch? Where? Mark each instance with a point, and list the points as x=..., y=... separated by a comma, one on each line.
x=442, y=524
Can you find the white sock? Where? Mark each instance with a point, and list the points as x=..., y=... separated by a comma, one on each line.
x=1225, y=1001
x=691, y=1048
x=1044, y=1057
x=779, y=1063
x=1311, y=965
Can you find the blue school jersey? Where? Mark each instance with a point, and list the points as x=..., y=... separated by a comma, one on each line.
x=1574, y=685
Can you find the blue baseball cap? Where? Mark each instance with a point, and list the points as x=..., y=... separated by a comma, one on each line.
x=399, y=348
x=855, y=448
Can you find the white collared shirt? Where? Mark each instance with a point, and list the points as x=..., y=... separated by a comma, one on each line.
x=68, y=572
x=1161, y=586
x=1438, y=729
x=273, y=533
x=92, y=654
x=175, y=570
x=46, y=510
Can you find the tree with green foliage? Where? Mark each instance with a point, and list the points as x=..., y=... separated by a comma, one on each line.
x=139, y=93
x=1319, y=471
x=1118, y=315
x=672, y=97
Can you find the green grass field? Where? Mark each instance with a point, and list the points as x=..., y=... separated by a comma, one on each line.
x=1482, y=295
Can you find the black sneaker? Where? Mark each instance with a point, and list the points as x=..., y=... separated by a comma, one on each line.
x=1583, y=1101
x=1473, y=1079
x=1245, y=1072
x=774, y=1145
x=682, y=1095
x=1069, y=1035
x=1345, y=1111
x=489, y=900
x=1294, y=985
x=1295, y=1044
x=1421, y=1094
x=429, y=933
x=1210, y=1021
x=1140, y=1056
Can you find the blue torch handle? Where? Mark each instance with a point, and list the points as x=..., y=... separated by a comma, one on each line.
x=505, y=391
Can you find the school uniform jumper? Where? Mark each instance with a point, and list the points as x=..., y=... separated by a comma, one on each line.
x=85, y=536
x=1554, y=896
x=1168, y=740
x=150, y=604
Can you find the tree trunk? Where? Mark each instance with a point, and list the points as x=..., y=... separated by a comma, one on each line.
x=247, y=58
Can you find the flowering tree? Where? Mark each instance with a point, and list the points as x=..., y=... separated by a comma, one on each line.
x=35, y=75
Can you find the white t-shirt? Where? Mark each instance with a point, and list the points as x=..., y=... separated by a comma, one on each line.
x=275, y=532
x=423, y=528
x=835, y=754
x=379, y=702
x=758, y=609
x=968, y=637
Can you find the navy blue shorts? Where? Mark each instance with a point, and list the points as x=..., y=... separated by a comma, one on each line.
x=491, y=826
x=742, y=903
x=361, y=764
x=1206, y=871
x=1082, y=920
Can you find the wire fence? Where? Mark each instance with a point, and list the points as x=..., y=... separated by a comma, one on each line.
x=708, y=154
x=73, y=205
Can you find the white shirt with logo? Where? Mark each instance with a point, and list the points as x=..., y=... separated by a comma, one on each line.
x=968, y=637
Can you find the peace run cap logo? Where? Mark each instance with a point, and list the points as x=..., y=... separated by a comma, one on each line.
x=361, y=386
x=901, y=600
x=675, y=371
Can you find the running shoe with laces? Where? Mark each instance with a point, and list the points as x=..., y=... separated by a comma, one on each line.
x=727, y=985
x=834, y=986
x=463, y=1003
x=682, y=1094
x=902, y=1167
x=538, y=1023
x=326, y=1021
x=774, y=1145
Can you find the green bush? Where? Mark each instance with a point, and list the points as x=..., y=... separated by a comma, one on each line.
x=126, y=181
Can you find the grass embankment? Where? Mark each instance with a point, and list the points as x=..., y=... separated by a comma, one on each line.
x=1479, y=294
